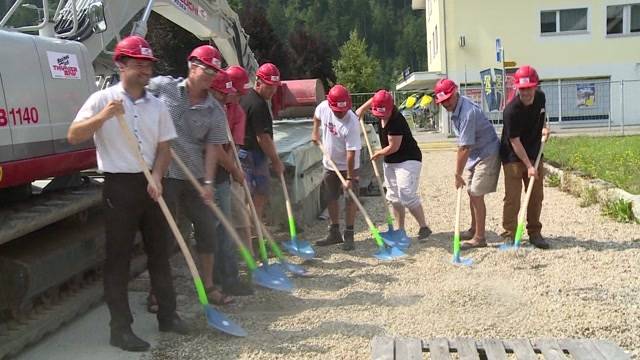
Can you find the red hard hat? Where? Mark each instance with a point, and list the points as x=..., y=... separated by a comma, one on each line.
x=444, y=89
x=526, y=77
x=133, y=47
x=382, y=104
x=222, y=82
x=239, y=78
x=339, y=98
x=208, y=55
x=269, y=74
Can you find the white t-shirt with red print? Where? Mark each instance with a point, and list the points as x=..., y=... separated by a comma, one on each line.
x=339, y=136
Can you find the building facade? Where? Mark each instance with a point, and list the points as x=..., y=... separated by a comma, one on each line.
x=587, y=53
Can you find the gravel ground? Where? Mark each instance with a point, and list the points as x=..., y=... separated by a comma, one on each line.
x=586, y=286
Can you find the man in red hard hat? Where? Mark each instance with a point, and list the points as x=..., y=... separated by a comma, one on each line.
x=478, y=156
x=337, y=125
x=258, y=148
x=237, y=123
x=200, y=122
x=225, y=259
x=129, y=201
x=524, y=127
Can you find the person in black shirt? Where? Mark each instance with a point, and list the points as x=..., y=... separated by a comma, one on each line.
x=402, y=160
x=258, y=145
x=523, y=129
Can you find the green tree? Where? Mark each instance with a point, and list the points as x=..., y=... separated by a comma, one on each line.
x=354, y=68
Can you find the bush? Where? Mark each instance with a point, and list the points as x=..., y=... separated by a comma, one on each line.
x=620, y=210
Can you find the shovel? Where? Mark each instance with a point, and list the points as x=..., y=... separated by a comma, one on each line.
x=522, y=214
x=259, y=276
x=274, y=271
x=391, y=237
x=215, y=319
x=295, y=246
x=283, y=265
x=457, y=259
x=384, y=252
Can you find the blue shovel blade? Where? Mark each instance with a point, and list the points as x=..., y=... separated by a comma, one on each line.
x=402, y=240
x=387, y=238
x=298, y=248
x=292, y=268
x=388, y=253
x=460, y=261
x=220, y=321
x=275, y=272
x=510, y=247
x=262, y=278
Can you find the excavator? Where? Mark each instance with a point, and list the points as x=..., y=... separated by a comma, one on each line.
x=51, y=242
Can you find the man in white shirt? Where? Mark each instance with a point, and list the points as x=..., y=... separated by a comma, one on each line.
x=341, y=139
x=130, y=202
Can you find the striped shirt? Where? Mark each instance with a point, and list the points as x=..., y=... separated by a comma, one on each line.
x=196, y=125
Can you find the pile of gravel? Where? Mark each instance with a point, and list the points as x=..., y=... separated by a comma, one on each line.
x=586, y=286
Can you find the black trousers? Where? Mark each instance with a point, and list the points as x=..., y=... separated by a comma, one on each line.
x=128, y=208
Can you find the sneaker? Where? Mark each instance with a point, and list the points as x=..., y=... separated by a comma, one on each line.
x=333, y=237
x=424, y=233
x=348, y=241
x=128, y=341
x=538, y=241
x=468, y=234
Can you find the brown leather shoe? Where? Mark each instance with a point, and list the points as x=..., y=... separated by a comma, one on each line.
x=538, y=241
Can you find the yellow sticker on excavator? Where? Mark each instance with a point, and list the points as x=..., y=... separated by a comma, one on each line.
x=0, y=174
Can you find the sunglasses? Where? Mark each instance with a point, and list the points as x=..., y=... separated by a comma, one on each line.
x=207, y=70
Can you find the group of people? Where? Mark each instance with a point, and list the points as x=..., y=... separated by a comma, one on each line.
x=201, y=117
x=198, y=118
x=480, y=154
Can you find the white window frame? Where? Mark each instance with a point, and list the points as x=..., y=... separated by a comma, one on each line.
x=626, y=20
x=563, y=33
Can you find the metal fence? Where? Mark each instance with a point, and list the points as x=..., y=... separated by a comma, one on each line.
x=595, y=103
x=419, y=118
x=598, y=103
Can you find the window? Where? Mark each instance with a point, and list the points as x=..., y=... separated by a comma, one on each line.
x=563, y=21
x=623, y=19
x=436, y=40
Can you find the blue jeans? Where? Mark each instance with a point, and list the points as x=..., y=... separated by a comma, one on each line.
x=225, y=264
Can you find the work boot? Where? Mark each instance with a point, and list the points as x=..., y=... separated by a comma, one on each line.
x=333, y=237
x=468, y=234
x=126, y=340
x=174, y=325
x=538, y=241
x=424, y=233
x=348, y=241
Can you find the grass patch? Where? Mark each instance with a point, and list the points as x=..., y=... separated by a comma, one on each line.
x=615, y=159
x=553, y=180
x=620, y=210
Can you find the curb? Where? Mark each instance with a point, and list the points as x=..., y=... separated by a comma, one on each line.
x=573, y=183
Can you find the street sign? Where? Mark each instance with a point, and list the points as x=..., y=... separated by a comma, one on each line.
x=498, y=50
x=509, y=64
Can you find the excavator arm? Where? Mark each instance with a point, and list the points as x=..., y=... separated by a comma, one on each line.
x=96, y=23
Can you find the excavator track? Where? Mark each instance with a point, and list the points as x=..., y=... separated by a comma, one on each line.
x=51, y=253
